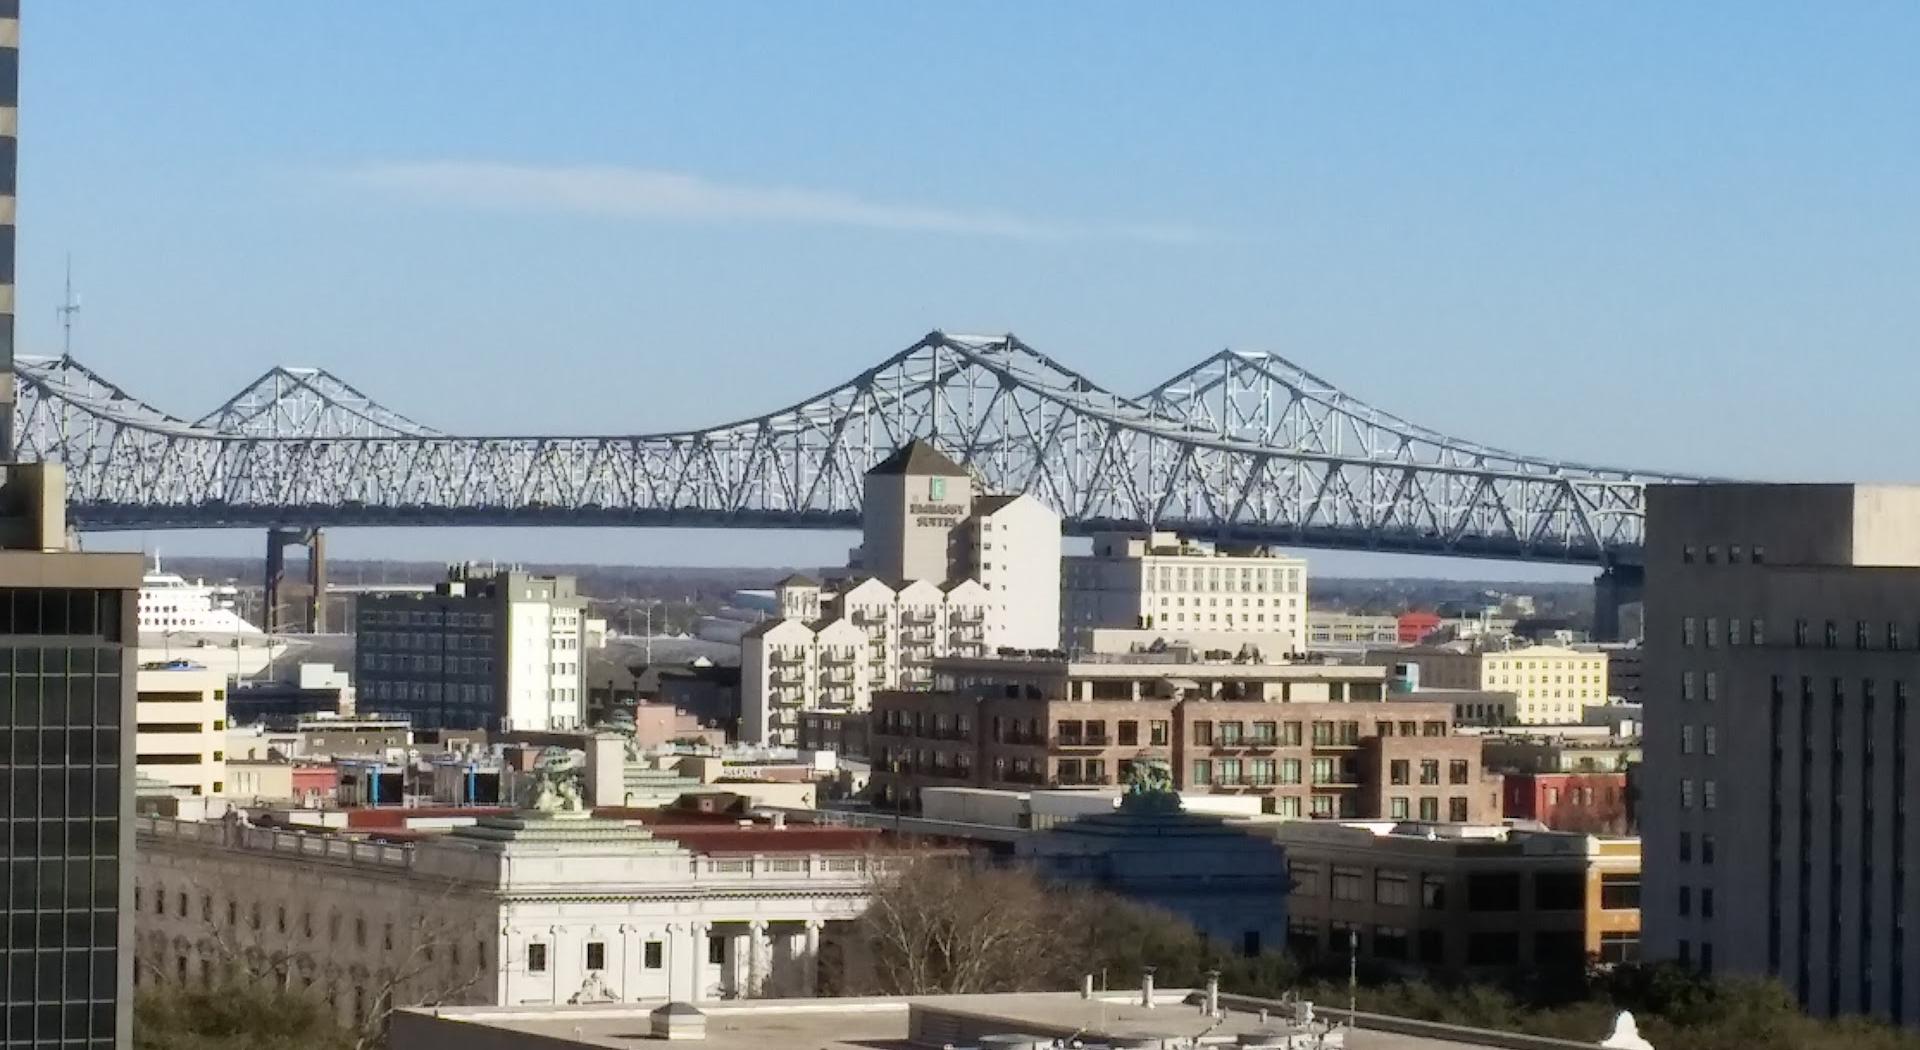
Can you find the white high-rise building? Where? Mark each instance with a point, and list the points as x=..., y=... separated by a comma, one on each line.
x=181, y=719
x=943, y=572
x=1013, y=549
x=1164, y=583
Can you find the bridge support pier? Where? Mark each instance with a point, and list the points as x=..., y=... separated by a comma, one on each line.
x=315, y=541
x=1616, y=588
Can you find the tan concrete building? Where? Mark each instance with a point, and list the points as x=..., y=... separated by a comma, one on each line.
x=912, y=505
x=1168, y=584
x=1783, y=646
x=1454, y=898
x=1307, y=739
x=181, y=739
x=1550, y=685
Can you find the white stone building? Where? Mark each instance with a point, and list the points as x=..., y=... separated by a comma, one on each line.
x=873, y=637
x=1165, y=583
x=1013, y=549
x=943, y=572
x=181, y=737
x=528, y=908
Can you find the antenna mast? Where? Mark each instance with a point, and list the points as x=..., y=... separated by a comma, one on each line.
x=69, y=306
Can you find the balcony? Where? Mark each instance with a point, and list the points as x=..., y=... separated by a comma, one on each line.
x=969, y=616
x=1338, y=780
x=1080, y=781
x=1021, y=739
x=783, y=658
x=1083, y=741
x=840, y=659
x=917, y=616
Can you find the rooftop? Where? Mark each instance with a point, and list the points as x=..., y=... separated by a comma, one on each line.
x=919, y=458
x=899, y=1023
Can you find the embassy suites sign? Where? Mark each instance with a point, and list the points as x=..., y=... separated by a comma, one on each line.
x=936, y=515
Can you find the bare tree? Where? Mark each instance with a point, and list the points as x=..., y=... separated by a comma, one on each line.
x=938, y=925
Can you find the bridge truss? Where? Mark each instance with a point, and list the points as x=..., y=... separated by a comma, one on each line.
x=1242, y=447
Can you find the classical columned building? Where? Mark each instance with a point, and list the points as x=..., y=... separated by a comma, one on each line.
x=528, y=907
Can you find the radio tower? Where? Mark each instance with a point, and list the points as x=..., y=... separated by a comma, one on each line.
x=69, y=305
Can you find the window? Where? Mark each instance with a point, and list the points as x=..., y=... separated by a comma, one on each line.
x=1429, y=771
x=1346, y=884
x=1559, y=890
x=596, y=955
x=1686, y=793
x=1493, y=949
x=1397, y=771
x=1457, y=771
x=1457, y=809
x=1129, y=733
x=1686, y=685
x=1686, y=847
x=654, y=955
x=1203, y=734
x=1686, y=740
x=1713, y=686
x=1832, y=635
x=1707, y=741
x=1706, y=849
x=536, y=958
x=1433, y=891
x=1620, y=947
x=1493, y=891
x=716, y=950
x=1757, y=636
x=1397, y=807
x=1230, y=734
x=1391, y=887
x=1707, y=800
x=1306, y=880
x=1706, y=902
x=1265, y=734
x=1686, y=554
x=1430, y=809
x=1202, y=771
x=1688, y=632
x=1390, y=942
x=1157, y=734
x=1620, y=891
x=1713, y=633
x=1685, y=904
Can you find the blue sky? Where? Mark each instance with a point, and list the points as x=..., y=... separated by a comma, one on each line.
x=1664, y=235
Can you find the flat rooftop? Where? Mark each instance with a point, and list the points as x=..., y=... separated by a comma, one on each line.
x=863, y=1023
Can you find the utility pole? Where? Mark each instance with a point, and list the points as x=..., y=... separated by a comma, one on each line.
x=1353, y=975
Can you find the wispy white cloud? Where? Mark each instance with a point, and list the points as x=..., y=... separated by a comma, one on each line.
x=644, y=193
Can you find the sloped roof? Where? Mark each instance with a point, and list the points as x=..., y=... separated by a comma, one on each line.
x=989, y=504
x=918, y=457
x=798, y=579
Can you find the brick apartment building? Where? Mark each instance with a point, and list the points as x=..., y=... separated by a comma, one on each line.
x=1308, y=739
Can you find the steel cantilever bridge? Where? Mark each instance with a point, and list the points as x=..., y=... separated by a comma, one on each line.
x=1244, y=447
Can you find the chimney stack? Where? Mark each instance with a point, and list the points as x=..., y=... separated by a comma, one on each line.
x=1146, y=988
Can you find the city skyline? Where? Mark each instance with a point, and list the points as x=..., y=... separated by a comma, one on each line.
x=1433, y=209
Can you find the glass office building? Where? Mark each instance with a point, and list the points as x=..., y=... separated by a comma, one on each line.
x=67, y=652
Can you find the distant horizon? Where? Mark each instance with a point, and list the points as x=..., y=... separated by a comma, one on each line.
x=525, y=545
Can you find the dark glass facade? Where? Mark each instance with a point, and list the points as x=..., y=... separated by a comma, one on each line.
x=65, y=701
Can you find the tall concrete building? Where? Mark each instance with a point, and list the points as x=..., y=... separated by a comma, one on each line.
x=1012, y=546
x=9, y=174
x=1783, y=646
x=1167, y=584
x=68, y=646
x=912, y=505
x=498, y=651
